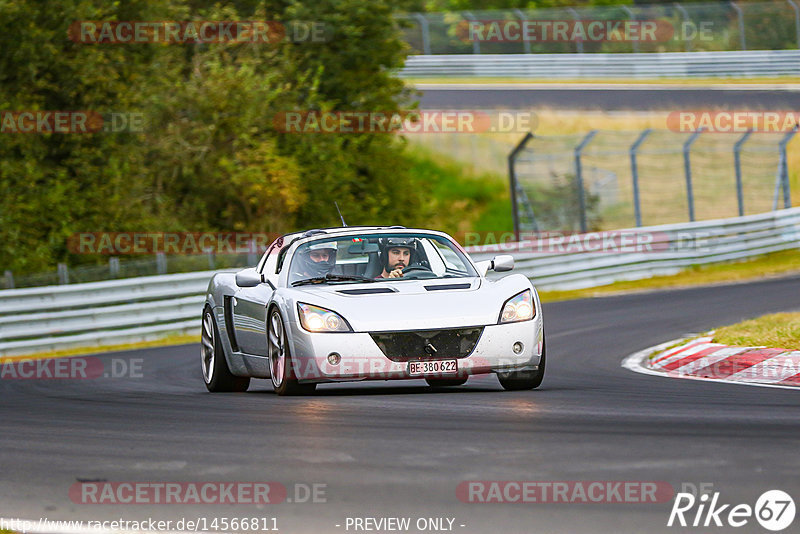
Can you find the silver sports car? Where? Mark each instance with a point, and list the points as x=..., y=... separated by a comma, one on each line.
x=370, y=303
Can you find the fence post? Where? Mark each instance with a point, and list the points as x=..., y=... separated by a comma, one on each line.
x=425, y=30
x=579, y=42
x=63, y=274
x=211, y=259
x=737, y=148
x=740, y=16
x=796, y=20
x=526, y=45
x=637, y=207
x=579, y=179
x=512, y=181
x=685, y=15
x=632, y=16
x=161, y=263
x=113, y=267
x=784, y=167
x=476, y=44
x=9, y=276
x=687, y=169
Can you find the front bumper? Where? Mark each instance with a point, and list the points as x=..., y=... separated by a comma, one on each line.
x=362, y=359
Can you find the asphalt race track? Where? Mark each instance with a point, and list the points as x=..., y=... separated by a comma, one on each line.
x=608, y=97
x=401, y=450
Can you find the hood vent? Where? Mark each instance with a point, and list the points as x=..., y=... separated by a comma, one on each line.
x=366, y=291
x=445, y=287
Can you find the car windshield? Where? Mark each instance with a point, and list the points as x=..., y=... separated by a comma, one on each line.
x=378, y=257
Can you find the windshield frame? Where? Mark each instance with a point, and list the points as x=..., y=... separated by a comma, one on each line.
x=375, y=233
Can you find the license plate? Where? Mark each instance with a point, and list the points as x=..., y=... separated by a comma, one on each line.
x=433, y=367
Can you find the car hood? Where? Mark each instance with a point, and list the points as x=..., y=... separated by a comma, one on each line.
x=414, y=304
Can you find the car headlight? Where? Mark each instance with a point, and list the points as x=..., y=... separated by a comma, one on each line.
x=316, y=319
x=518, y=308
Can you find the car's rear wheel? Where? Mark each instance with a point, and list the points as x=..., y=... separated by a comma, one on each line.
x=522, y=380
x=284, y=381
x=216, y=374
x=445, y=382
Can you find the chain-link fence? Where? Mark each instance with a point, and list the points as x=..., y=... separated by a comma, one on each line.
x=613, y=179
x=676, y=27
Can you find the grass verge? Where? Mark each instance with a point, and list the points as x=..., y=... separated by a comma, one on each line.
x=775, y=264
x=778, y=330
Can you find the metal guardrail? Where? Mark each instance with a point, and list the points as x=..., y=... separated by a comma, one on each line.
x=673, y=247
x=139, y=309
x=100, y=313
x=747, y=64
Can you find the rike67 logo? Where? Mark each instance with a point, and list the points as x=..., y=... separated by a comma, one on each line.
x=774, y=510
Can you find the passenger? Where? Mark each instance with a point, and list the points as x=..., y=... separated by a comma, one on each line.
x=316, y=260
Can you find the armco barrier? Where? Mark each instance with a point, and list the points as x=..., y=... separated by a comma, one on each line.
x=747, y=64
x=136, y=309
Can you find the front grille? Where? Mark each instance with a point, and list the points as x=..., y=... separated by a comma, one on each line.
x=428, y=344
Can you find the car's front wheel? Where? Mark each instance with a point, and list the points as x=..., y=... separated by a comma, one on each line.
x=216, y=374
x=522, y=380
x=284, y=381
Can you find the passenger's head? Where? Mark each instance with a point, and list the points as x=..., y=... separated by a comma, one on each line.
x=317, y=259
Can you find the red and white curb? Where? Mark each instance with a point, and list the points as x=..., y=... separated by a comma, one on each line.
x=700, y=359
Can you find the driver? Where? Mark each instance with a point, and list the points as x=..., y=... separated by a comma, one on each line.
x=397, y=254
x=316, y=260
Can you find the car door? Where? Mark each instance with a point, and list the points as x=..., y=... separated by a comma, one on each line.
x=250, y=318
x=249, y=306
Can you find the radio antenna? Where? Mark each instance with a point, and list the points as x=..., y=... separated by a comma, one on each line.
x=340, y=213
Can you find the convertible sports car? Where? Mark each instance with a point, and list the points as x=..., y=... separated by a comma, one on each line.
x=370, y=303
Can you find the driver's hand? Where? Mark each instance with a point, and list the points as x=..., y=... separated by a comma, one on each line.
x=397, y=273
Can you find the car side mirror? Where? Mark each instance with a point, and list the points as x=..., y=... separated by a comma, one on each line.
x=249, y=278
x=502, y=263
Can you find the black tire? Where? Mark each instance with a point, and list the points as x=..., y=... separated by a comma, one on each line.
x=522, y=380
x=216, y=374
x=282, y=375
x=445, y=382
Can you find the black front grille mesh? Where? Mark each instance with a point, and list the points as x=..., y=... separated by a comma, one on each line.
x=428, y=344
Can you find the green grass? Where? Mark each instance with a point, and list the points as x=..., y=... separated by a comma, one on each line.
x=779, y=330
x=458, y=200
x=775, y=264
